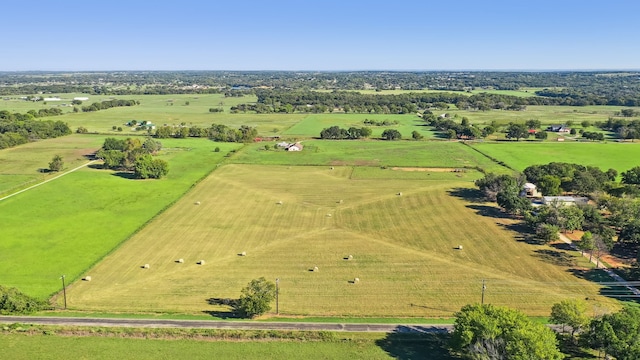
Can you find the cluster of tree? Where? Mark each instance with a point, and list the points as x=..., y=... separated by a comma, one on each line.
x=215, y=132
x=133, y=155
x=494, y=332
x=452, y=130
x=12, y=301
x=625, y=129
x=592, y=135
x=618, y=201
x=338, y=133
x=107, y=104
x=17, y=129
x=557, y=177
x=371, y=122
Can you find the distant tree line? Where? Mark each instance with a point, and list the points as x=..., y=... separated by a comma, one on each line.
x=133, y=155
x=17, y=129
x=216, y=132
x=107, y=104
x=568, y=88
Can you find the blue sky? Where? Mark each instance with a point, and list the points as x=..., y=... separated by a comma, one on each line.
x=320, y=35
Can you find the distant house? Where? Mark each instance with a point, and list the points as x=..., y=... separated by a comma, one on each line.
x=294, y=147
x=81, y=98
x=529, y=190
x=564, y=200
x=283, y=144
x=559, y=128
x=532, y=131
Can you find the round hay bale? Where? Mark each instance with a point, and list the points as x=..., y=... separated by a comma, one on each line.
x=399, y=194
x=350, y=257
x=328, y=215
x=340, y=202
x=201, y=262
x=87, y=278
x=459, y=247
x=315, y=269
x=145, y=266
x=279, y=202
x=331, y=168
x=356, y=280
x=180, y=261
x=197, y=202
x=244, y=253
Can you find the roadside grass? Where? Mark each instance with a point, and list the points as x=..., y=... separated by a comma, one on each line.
x=312, y=125
x=67, y=225
x=370, y=153
x=403, y=250
x=21, y=346
x=519, y=155
x=26, y=165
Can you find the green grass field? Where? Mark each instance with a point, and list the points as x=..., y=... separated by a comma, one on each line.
x=21, y=166
x=546, y=114
x=66, y=225
x=312, y=125
x=370, y=153
x=19, y=346
x=519, y=155
x=402, y=247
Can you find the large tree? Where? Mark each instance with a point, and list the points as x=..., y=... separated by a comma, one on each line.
x=572, y=313
x=631, y=176
x=618, y=334
x=517, y=131
x=256, y=297
x=391, y=134
x=492, y=332
x=56, y=164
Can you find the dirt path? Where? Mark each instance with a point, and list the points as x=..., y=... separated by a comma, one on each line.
x=46, y=181
x=600, y=266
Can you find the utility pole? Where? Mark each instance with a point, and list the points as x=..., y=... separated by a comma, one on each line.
x=64, y=291
x=484, y=287
x=277, y=291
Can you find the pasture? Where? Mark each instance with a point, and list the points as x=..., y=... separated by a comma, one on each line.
x=312, y=125
x=23, y=166
x=519, y=155
x=160, y=110
x=370, y=153
x=546, y=114
x=66, y=225
x=291, y=219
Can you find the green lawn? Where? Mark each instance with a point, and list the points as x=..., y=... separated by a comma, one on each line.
x=519, y=155
x=66, y=225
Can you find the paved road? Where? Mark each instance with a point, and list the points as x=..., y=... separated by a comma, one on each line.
x=236, y=325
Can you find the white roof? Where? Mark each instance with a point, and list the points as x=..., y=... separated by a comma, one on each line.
x=529, y=186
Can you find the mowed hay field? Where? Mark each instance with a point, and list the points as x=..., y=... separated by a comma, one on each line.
x=519, y=155
x=402, y=247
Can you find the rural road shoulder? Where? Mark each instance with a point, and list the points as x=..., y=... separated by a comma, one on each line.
x=231, y=325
